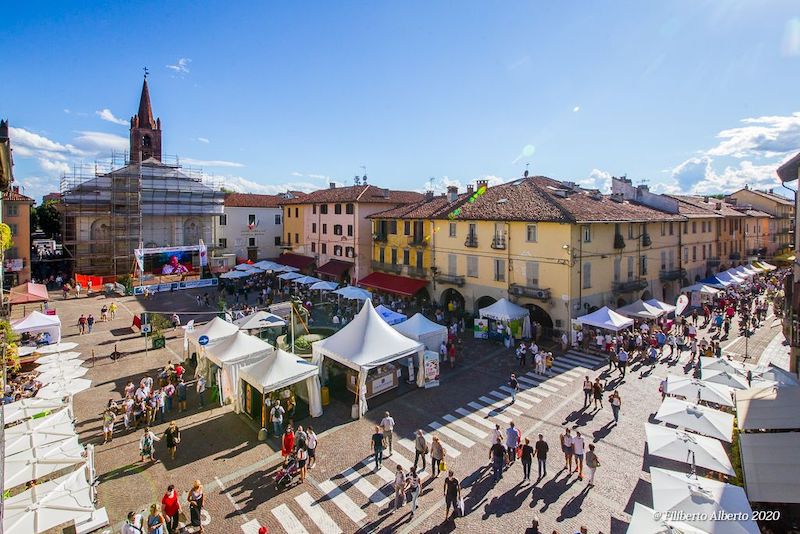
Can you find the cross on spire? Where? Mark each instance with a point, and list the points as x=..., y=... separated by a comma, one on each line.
x=146, y=72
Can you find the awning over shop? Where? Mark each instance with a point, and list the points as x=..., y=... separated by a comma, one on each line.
x=392, y=283
x=28, y=293
x=295, y=260
x=771, y=466
x=768, y=408
x=335, y=268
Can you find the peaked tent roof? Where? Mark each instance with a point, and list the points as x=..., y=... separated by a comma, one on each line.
x=669, y=308
x=35, y=321
x=216, y=329
x=418, y=325
x=702, y=288
x=277, y=370
x=390, y=316
x=365, y=342
x=28, y=292
x=641, y=309
x=237, y=348
x=259, y=319
x=606, y=319
x=504, y=310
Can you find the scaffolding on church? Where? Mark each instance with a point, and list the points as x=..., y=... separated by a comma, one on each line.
x=116, y=205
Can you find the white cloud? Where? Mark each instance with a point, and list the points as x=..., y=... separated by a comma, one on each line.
x=36, y=186
x=791, y=38
x=698, y=175
x=244, y=185
x=181, y=66
x=54, y=168
x=106, y=115
x=203, y=140
x=767, y=136
x=101, y=142
x=597, y=179
x=211, y=162
x=21, y=137
x=576, y=109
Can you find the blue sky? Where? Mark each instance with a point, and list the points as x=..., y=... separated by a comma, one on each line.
x=691, y=96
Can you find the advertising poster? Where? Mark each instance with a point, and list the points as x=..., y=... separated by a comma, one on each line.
x=696, y=299
x=481, y=329
x=431, y=360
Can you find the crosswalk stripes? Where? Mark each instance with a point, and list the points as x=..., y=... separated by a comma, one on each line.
x=532, y=377
x=522, y=394
x=455, y=436
x=364, y=486
x=480, y=434
x=451, y=452
x=251, y=527
x=530, y=387
x=288, y=521
x=475, y=418
x=507, y=398
x=489, y=412
x=504, y=405
x=317, y=514
x=338, y=497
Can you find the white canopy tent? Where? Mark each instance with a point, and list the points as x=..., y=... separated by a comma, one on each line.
x=768, y=408
x=266, y=265
x=389, y=315
x=703, y=289
x=771, y=466
x=57, y=502
x=234, y=274
x=324, y=286
x=726, y=378
x=722, y=364
x=58, y=347
x=422, y=329
x=59, y=389
x=27, y=408
x=742, y=271
x=687, y=447
x=606, y=319
x=702, y=498
x=247, y=267
x=365, y=343
x=281, y=268
x=306, y=280
x=667, y=308
x=643, y=521
x=503, y=310
x=729, y=277
x=283, y=369
x=641, y=310
x=700, y=419
x=215, y=330
x=258, y=320
x=354, y=293
x=38, y=462
x=37, y=322
x=33, y=433
x=694, y=390
x=230, y=355
x=767, y=266
x=291, y=275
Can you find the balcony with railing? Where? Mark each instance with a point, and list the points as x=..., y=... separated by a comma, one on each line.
x=629, y=286
x=286, y=245
x=471, y=241
x=454, y=279
x=529, y=290
x=668, y=275
x=395, y=268
x=417, y=272
x=417, y=241
x=499, y=242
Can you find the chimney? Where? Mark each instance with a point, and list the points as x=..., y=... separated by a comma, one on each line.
x=705, y=199
x=718, y=206
x=332, y=185
x=483, y=184
x=470, y=189
x=15, y=188
x=386, y=193
x=771, y=191
x=428, y=195
x=452, y=193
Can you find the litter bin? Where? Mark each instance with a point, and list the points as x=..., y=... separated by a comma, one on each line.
x=354, y=412
x=326, y=396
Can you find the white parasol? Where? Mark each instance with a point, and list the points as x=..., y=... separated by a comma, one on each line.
x=694, y=390
x=643, y=521
x=704, y=420
x=38, y=462
x=731, y=379
x=39, y=432
x=58, y=347
x=687, y=447
x=59, y=390
x=61, y=375
x=27, y=408
x=58, y=357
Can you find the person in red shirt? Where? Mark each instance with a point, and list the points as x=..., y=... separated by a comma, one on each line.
x=288, y=443
x=171, y=508
x=179, y=371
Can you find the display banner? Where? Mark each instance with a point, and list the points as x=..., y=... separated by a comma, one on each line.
x=175, y=286
x=431, y=367
x=480, y=329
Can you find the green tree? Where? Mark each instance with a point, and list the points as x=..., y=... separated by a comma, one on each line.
x=48, y=219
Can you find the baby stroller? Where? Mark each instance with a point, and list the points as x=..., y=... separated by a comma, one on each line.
x=286, y=473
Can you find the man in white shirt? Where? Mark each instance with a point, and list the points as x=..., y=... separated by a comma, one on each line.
x=387, y=424
x=134, y=524
x=201, y=390
x=577, y=450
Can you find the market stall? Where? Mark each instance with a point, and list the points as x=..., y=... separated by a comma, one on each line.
x=667, y=308
x=508, y=320
x=641, y=310
x=221, y=362
x=28, y=293
x=200, y=338
x=422, y=329
x=47, y=328
x=605, y=319
x=256, y=322
x=389, y=315
x=33, y=407
x=281, y=376
x=368, y=347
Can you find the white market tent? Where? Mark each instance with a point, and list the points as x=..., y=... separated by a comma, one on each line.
x=283, y=369
x=767, y=266
x=37, y=322
x=27, y=408
x=234, y=274
x=61, y=389
x=503, y=310
x=641, y=310
x=266, y=265
x=768, y=408
x=703, y=289
x=729, y=277
x=38, y=462
x=606, y=319
x=702, y=498
x=291, y=275
x=726, y=378
x=365, y=343
x=684, y=446
x=742, y=271
x=354, y=293
x=643, y=521
x=306, y=280
x=281, y=268
x=390, y=316
x=232, y=353
x=247, y=267
x=668, y=308
x=258, y=320
x=58, y=347
x=422, y=329
x=694, y=390
x=324, y=286
x=708, y=421
x=215, y=330
x=50, y=504
x=33, y=433
x=722, y=364
x=771, y=466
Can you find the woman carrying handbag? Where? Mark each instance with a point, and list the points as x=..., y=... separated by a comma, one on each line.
x=195, y=499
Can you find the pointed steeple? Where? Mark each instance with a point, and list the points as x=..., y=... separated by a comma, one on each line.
x=145, y=110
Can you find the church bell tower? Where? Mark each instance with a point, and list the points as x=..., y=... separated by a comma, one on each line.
x=145, y=131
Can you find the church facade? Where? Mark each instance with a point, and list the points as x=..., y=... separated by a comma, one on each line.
x=142, y=201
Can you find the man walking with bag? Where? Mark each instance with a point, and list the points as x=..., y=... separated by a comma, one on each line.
x=387, y=424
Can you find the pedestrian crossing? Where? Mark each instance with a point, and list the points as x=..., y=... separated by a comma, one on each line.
x=361, y=486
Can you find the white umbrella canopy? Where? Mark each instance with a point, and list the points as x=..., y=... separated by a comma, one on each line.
x=61, y=375
x=354, y=293
x=27, y=408
x=59, y=357
x=48, y=505
x=307, y=280
x=726, y=378
x=58, y=390
x=290, y=276
x=231, y=275
x=705, y=497
x=693, y=389
x=59, y=365
x=25, y=350
x=324, y=286
x=247, y=267
x=259, y=319
x=285, y=269
x=700, y=419
x=723, y=364
x=686, y=446
x=643, y=521
x=32, y=464
x=266, y=265
x=39, y=432
x=779, y=376
x=58, y=347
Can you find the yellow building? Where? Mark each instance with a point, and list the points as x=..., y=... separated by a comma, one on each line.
x=782, y=210
x=697, y=246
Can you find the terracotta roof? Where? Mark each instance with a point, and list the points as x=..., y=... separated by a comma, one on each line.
x=772, y=196
x=433, y=208
x=756, y=213
x=357, y=193
x=15, y=196
x=690, y=211
x=246, y=200
x=725, y=209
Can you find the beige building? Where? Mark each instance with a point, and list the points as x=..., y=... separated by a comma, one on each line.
x=782, y=210
x=17, y=215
